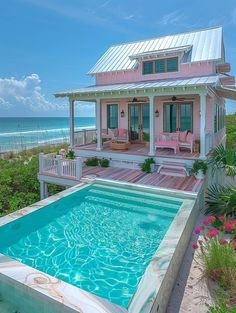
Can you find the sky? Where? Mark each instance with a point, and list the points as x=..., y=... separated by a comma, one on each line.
x=48, y=46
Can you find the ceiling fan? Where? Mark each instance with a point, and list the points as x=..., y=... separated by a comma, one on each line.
x=174, y=98
x=136, y=100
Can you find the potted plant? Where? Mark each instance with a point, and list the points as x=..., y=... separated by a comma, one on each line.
x=92, y=161
x=199, y=169
x=148, y=166
x=104, y=162
x=70, y=155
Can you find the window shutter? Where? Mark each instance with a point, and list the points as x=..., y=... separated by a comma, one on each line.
x=160, y=66
x=172, y=64
x=148, y=67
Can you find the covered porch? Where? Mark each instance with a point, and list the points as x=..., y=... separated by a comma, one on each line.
x=145, y=111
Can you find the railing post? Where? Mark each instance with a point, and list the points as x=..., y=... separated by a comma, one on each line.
x=59, y=165
x=41, y=162
x=84, y=136
x=78, y=168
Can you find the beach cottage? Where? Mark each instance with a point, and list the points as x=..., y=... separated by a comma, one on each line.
x=162, y=98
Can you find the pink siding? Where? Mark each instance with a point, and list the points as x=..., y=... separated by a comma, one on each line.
x=186, y=70
x=123, y=121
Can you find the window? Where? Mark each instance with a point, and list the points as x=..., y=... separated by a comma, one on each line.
x=160, y=66
x=172, y=64
x=219, y=118
x=148, y=67
x=112, y=116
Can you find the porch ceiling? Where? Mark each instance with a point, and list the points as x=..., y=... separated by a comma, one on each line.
x=154, y=86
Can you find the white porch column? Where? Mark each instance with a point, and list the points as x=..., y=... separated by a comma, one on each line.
x=99, y=124
x=202, y=125
x=152, y=125
x=72, y=123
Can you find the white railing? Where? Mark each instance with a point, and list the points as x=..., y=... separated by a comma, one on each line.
x=57, y=166
x=85, y=137
x=208, y=141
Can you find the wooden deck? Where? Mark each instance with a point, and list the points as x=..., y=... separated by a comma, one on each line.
x=190, y=184
x=143, y=150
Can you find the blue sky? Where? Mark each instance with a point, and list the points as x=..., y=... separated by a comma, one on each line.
x=49, y=45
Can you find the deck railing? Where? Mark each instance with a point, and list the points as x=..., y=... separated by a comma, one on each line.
x=55, y=165
x=85, y=137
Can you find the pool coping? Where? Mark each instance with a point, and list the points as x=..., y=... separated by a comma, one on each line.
x=66, y=295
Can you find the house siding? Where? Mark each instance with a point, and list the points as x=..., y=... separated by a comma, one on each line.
x=185, y=70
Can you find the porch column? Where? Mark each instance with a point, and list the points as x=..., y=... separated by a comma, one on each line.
x=202, y=125
x=43, y=190
x=72, y=124
x=152, y=126
x=99, y=124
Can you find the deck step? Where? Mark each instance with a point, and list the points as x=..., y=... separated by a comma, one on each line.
x=173, y=172
x=173, y=169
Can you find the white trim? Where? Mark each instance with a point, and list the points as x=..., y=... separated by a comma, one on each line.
x=202, y=125
x=72, y=125
x=99, y=124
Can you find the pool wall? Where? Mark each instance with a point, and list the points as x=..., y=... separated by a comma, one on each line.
x=155, y=287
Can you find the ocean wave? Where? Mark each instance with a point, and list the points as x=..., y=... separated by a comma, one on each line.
x=55, y=130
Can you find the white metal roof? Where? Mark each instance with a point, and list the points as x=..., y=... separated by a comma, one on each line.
x=183, y=82
x=207, y=44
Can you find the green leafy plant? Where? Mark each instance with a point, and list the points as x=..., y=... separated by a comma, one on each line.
x=225, y=159
x=92, y=161
x=146, y=166
x=221, y=305
x=199, y=165
x=146, y=137
x=220, y=200
x=104, y=162
x=70, y=155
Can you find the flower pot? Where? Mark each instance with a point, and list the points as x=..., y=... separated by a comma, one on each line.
x=152, y=168
x=200, y=175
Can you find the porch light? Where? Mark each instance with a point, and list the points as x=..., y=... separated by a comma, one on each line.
x=157, y=113
x=122, y=113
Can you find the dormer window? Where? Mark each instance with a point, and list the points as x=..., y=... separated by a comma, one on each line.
x=160, y=66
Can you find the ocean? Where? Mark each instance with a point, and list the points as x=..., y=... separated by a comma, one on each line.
x=17, y=134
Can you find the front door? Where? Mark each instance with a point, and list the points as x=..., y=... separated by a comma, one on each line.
x=178, y=117
x=139, y=122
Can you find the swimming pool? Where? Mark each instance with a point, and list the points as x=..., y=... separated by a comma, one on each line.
x=98, y=247
x=100, y=238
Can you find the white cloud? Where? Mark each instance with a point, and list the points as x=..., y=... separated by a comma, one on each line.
x=173, y=18
x=24, y=93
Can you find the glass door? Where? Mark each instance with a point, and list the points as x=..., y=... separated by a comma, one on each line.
x=178, y=116
x=134, y=122
x=139, y=122
x=145, y=123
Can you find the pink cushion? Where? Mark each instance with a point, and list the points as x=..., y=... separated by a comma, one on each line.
x=189, y=137
x=122, y=132
x=164, y=137
x=167, y=143
x=174, y=136
x=182, y=135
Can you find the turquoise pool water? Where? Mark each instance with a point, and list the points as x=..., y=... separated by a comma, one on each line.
x=99, y=238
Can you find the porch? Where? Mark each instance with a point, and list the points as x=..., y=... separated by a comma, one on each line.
x=68, y=173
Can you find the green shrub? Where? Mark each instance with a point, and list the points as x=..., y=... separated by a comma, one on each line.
x=92, y=161
x=104, y=162
x=146, y=166
x=221, y=305
x=199, y=165
x=70, y=155
x=219, y=262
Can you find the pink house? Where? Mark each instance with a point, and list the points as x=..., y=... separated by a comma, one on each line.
x=162, y=97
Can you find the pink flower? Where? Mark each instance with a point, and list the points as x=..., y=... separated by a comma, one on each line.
x=211, y=219
x=228, y=227
x=194, y=246
x=234, y=244
x=212, y=233
x=222, y=241
x=197, y=230
x=221, y=217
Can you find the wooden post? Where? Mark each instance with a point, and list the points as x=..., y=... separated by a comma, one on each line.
x=202, y=126
x=78, y=168
x=98, y=125
x=72, y=126
x=152, y=126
